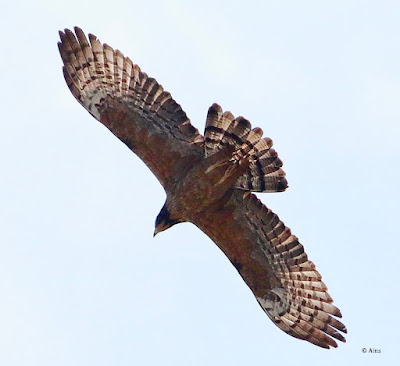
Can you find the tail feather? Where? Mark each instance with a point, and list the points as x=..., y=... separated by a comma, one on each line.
x=223, y=129
x=264, y=173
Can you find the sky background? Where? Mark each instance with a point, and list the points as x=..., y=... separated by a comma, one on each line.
x=83, y=282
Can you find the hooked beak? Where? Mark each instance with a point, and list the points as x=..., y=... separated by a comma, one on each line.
x=160, y=228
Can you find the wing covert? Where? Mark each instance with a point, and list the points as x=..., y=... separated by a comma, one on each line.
x=132, y=105
x=274, y=265
x=136, y=109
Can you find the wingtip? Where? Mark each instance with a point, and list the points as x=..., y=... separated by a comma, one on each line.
x=337, y=313
x=68, y=32
x=92, y=38
x=78, y=29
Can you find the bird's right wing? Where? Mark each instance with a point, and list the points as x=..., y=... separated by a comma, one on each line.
x=274, y=265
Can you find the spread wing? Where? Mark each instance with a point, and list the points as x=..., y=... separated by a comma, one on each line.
x=274, y=265
x=132, y=105
x=145, y=117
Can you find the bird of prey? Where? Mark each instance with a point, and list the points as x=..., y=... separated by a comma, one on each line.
x=208, y=181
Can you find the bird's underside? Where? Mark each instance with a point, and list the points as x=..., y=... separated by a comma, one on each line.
x=208, y=180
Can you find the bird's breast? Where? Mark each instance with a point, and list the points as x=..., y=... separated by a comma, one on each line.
x=206, y=186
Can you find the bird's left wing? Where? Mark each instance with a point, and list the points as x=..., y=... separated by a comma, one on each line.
x=274, y=265
x=132, y=105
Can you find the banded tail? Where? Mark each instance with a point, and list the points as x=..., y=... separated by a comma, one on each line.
x=265, y=173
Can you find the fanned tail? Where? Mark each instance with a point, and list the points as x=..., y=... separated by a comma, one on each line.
x=265, y=173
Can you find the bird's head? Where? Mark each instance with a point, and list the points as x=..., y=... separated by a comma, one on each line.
x=164, y=221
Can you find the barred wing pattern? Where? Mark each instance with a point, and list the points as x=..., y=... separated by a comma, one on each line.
x=145, y=117
x=132, y=105
x=274, y=265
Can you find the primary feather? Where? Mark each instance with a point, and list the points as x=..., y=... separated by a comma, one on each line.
x=208, y=182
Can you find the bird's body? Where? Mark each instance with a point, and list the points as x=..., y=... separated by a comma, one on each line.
x=208, y=181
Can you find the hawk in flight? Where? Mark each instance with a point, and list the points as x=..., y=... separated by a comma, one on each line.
x=208, y=181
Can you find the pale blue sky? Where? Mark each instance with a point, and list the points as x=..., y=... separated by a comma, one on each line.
x=82, y=281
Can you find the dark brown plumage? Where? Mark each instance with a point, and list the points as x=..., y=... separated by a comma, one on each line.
x=208, y=180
